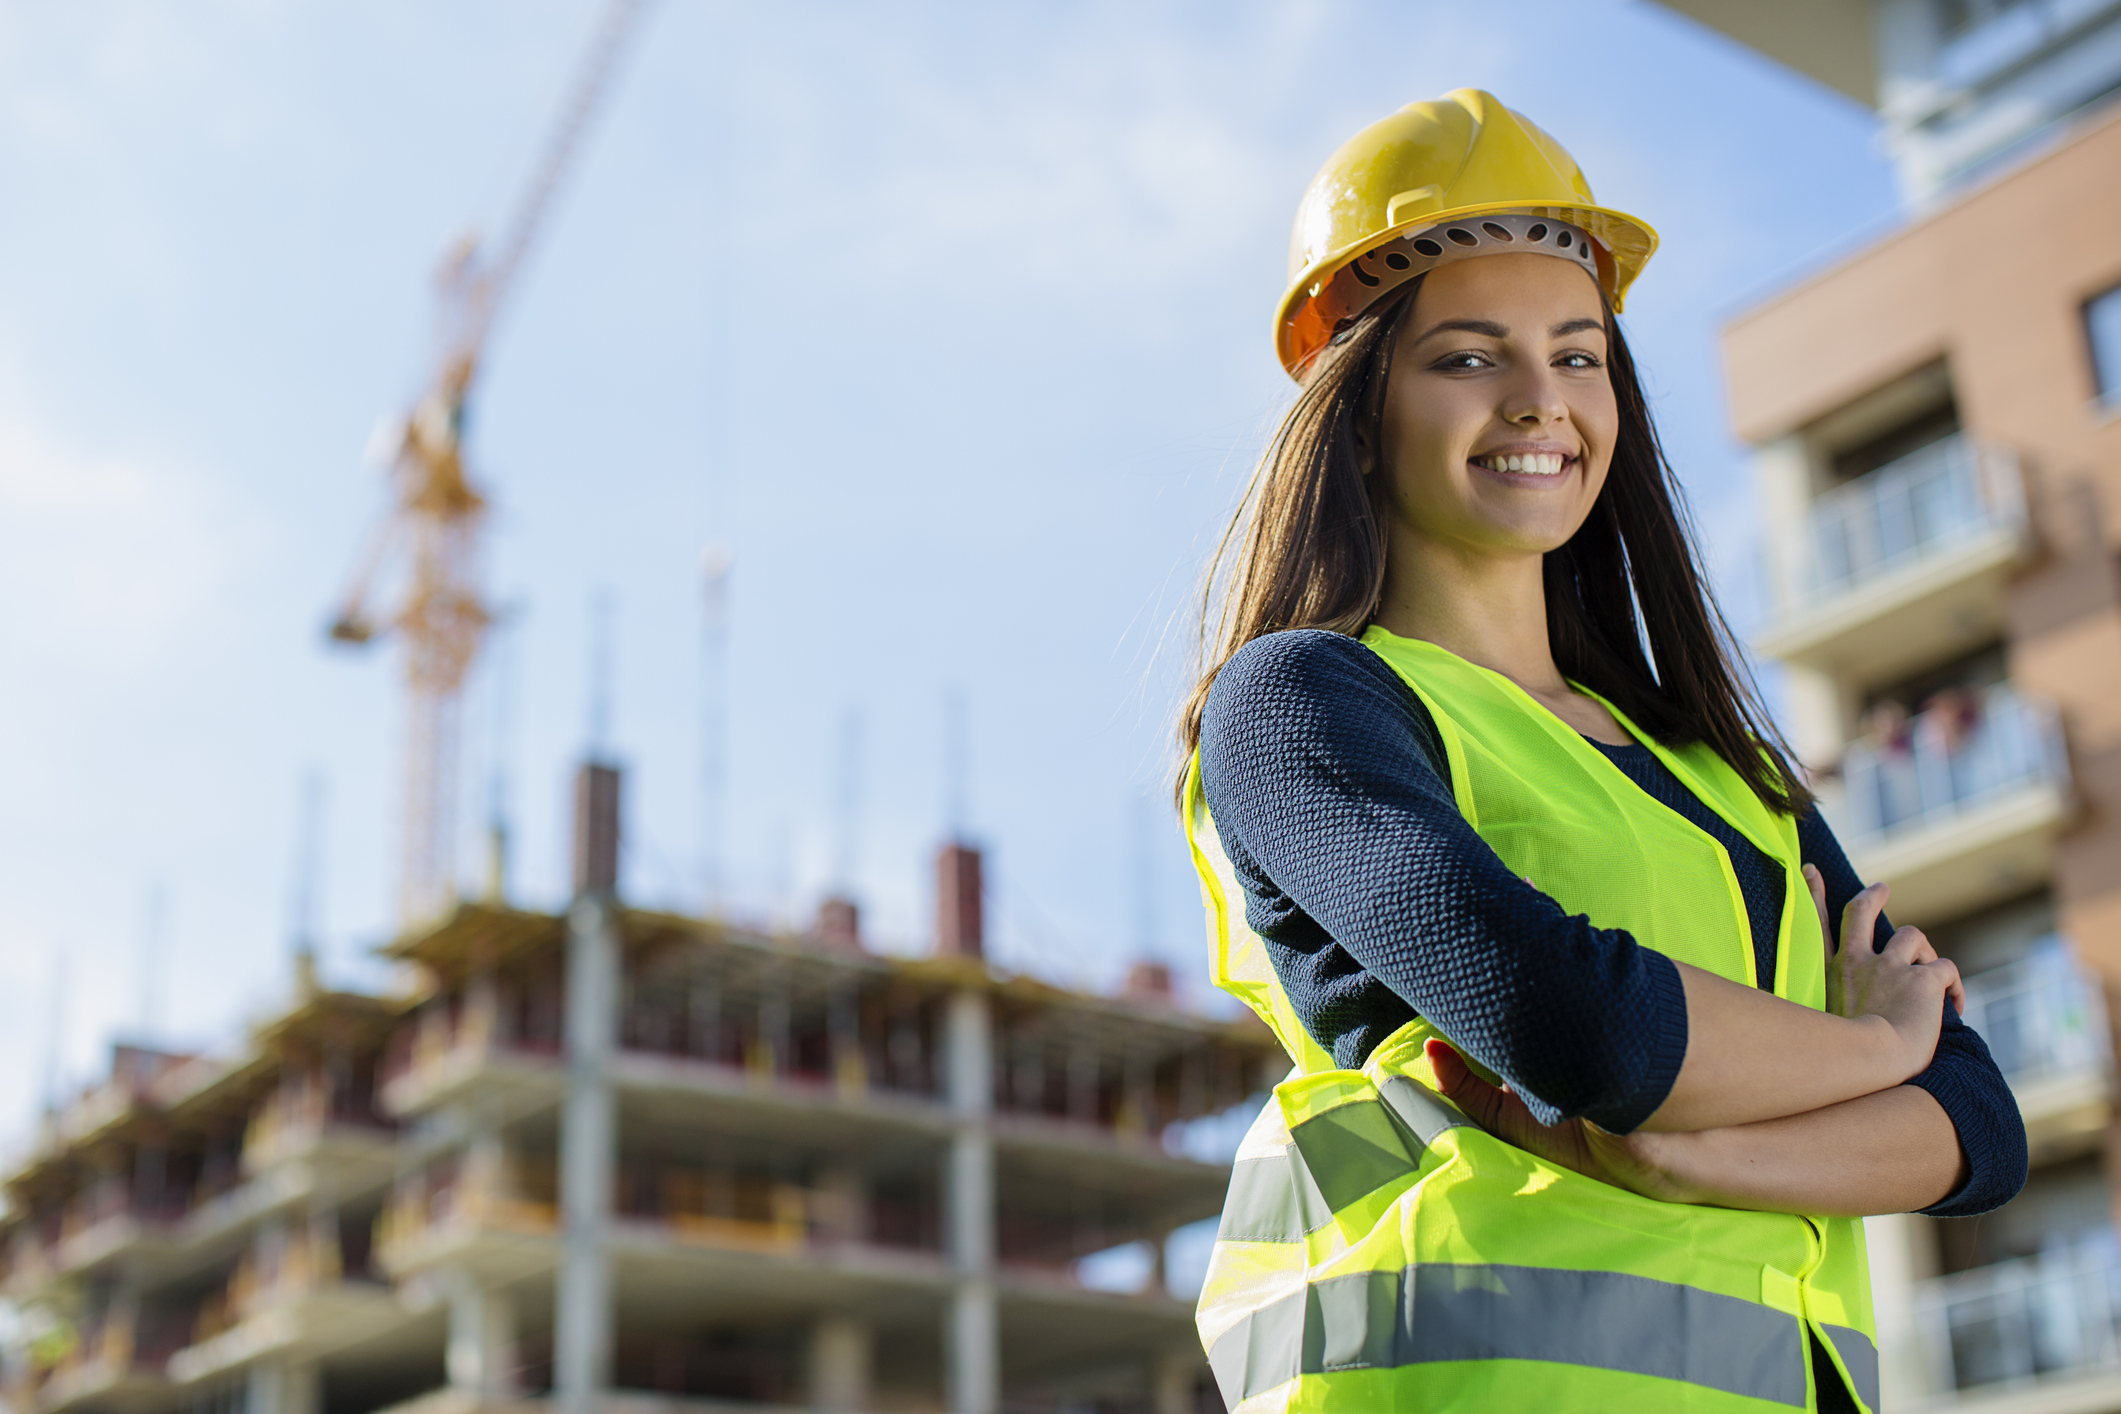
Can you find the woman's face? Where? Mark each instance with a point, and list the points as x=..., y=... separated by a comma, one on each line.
x=1498, y=421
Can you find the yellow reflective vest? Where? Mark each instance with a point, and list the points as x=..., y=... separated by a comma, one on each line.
x=1378, y=1252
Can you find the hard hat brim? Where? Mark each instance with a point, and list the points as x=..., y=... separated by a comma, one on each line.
x=1625, y=246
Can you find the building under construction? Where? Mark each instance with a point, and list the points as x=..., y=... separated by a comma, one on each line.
x=625, y=1160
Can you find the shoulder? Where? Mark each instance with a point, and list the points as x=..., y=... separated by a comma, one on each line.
x=1309, y=687
x=1297, y=666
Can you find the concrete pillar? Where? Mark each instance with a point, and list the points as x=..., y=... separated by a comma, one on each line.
x=1816, y=713
x=482, y=1337
x=842, y=1351
x=283, y=1385
x=588, y=1142
x=482, y=1008
x=1782, y=477
x=973, y=1338
x=850, y=1069
x=485, y=1176
x=121, y=1337
x=273, y=1255
x=1901, y=1257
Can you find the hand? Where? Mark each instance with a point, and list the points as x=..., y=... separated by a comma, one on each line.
x=1635, y=1161
x=1906, y=983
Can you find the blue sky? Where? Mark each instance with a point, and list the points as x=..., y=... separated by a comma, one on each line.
x=948, y=320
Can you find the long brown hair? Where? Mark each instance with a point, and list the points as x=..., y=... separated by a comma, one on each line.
x=1629, y=614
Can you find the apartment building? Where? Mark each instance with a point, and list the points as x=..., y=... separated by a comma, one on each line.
x=1937, y=425
x=619, y=1160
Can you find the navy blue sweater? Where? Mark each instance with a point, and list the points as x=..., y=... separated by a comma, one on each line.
x=1377, y=901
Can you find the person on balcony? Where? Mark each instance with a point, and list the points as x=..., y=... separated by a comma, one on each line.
x=1588, y=1102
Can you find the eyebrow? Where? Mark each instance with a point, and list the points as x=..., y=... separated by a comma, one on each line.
x=1467, y=326
x=1492, y=330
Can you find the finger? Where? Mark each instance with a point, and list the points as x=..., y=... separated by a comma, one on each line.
x=1860, y=919
x=1450, y=1067
x=1911, y=946
x=1814, y=881
x=1954, y=986
x=1922, y=949
x=1455, y=1078
x=1492, y=1107
x=1484, y=1102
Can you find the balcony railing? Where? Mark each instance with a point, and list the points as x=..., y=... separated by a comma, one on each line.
x=1910, y=509
x=1951, y=760
x=2014, y=1322
x=2041, y=1016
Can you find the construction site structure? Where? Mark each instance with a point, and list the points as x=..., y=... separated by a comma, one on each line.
x=435, y=520
x=1936, y=424
x=621, y=1160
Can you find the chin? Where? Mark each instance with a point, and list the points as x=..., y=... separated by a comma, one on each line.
x=1519, y=539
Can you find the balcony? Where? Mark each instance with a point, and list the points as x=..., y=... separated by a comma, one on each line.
x=103, y=1366
x=1903, y=566
x=1960, y=809
x=466, y=1062
x=2053, y=1322
x=497, y=1212
x=2045, y=1023
x=306, y=1122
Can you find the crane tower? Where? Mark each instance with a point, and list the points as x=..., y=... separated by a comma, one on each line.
x=430, y=532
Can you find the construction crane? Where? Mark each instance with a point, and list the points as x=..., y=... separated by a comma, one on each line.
x=429, y=535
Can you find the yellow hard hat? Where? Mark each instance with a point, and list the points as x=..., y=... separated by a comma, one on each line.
x=1423, y=177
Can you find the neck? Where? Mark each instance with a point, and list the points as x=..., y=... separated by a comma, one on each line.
x=1489, y=609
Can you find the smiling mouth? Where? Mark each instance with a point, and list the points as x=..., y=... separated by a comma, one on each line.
x=1525, y=463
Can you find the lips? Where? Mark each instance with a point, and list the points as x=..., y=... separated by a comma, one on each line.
x=1525, y=463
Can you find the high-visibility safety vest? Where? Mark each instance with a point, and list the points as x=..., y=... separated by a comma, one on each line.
x=1379, y=1252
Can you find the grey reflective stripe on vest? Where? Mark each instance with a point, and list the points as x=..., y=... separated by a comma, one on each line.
x=1421, y=1109
x=1335, y=1159
x=1435, y=1312
x=1272, y=1200
x=1861, y=1358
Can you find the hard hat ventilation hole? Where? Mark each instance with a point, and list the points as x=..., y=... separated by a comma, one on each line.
x=1355, y=285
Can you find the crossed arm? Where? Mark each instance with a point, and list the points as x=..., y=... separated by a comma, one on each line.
x=1378, y=902
x=1887, y=1148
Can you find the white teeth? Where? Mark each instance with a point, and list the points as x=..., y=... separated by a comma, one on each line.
x=1530, y=464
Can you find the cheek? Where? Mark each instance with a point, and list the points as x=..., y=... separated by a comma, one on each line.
x=1421, y=464
x=1424, y=436
x=1597, y=418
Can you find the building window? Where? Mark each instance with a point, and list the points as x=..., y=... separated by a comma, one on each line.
x=2102, y=328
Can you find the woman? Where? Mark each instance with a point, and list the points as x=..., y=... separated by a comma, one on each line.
x=1587, y=1103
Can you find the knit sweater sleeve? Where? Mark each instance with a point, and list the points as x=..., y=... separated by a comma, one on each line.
x=1362, y=878
x=1962, y=1077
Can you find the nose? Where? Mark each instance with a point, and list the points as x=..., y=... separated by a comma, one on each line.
x=1533, y=400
